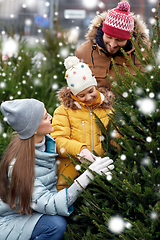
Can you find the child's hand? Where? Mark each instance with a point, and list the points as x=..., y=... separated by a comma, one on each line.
x=85, y=153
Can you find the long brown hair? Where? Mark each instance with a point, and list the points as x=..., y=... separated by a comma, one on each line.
x=18, y=192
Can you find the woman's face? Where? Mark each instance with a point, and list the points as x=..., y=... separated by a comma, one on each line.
x=45, y=126
x=87, y=95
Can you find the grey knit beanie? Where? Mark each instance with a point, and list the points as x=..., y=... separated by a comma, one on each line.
x=23, y=115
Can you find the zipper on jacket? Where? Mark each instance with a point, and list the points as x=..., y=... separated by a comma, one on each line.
x=110, y=66
x=93, y=48
x=83, y=129
x=92, y=126
x=91, y=131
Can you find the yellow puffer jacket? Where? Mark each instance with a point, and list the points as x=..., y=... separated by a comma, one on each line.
x=74, y=128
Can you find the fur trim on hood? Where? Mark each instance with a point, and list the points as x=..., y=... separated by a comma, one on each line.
x=67, y=101
x=100, y=18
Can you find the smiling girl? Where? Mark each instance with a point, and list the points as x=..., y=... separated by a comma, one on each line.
x=74, y=128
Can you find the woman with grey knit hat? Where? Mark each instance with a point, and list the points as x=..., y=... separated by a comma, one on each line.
x=30, y=206
x=108, y=33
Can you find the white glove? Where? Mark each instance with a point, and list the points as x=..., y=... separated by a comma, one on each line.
x=85, y=153
x=101, y=165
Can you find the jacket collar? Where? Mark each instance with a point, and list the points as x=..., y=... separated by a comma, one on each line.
x=47, y=158
x=64, y=96
x=97, y=101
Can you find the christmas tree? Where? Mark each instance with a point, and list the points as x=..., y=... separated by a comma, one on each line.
x=127, y=206
x=31, y=72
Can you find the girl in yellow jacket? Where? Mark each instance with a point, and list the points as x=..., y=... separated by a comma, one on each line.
x=74, y=128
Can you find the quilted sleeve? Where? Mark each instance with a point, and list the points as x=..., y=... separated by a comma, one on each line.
x=62, y=132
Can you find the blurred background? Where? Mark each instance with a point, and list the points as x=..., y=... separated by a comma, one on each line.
x=34, y=16
x=35, y=38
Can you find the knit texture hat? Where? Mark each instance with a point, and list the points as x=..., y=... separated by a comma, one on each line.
x=23, y=115
x=78, y=75
x=119, y=22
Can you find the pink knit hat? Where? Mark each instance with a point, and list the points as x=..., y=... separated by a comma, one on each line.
x=119, y=22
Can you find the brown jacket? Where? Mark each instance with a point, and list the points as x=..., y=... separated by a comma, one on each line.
x=91, y=53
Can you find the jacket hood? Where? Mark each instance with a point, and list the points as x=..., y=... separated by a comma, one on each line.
x=67, y=101
x=100, y=18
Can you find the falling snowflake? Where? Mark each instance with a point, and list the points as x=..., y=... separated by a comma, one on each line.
x=55, y=86
x=149, y=139
x=123, y=157
x=101, y=138
x=4, y=135
x=116, y=224
x=2, y=84
x=138, y=91
x=128, y=225
x=9, y=47
x=113, y=134
x=58, y=162
x=62, y=150
x=101, y=5
x=151, y=95
x=37, y=82
x=55, y=77
x=64, y=52
x=152, y=21
x=149, y=68
x=153, y=215
x=78, y=167
x=90, y=4
x=60, y=44
x=145, y=161
x=146, y=106
x=125, y=94
x=109, y=177
x=73, y=35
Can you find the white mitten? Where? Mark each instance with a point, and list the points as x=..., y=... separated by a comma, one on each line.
x=101, y=165
x=85, y=153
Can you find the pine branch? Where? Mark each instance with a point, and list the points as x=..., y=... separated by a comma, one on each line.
x=138, y=73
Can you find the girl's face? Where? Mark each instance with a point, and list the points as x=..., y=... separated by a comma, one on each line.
x=87, y=95
x=45, y=126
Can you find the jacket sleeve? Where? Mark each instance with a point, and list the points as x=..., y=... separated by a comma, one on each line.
x=50, y=202
x=62, y=134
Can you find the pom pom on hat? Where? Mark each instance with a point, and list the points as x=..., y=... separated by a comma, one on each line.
x=23, y=115
x=78, y=75
x=123, y=6
x=71, y=62
x=119, y=22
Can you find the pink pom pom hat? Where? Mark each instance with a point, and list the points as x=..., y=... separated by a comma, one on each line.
x=119, y=22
